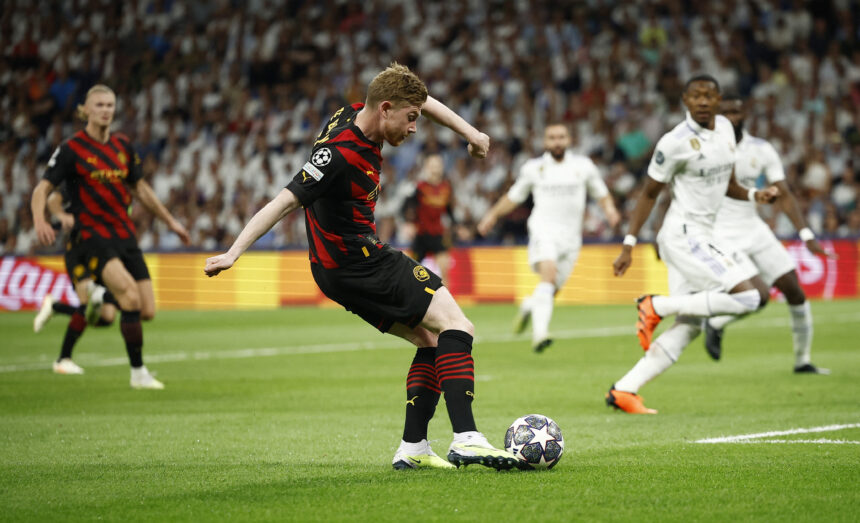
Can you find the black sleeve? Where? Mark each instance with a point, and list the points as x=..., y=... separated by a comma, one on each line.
x=135, y=171
x=61, y=165
x=317, y=175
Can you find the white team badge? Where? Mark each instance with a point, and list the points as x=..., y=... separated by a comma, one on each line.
x=322, y=157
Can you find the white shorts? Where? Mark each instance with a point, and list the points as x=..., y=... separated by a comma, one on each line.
x=544, y=247
x=757, y=240
x=697, y=262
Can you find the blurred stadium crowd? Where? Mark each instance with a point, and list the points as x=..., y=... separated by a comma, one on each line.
x=223, y=98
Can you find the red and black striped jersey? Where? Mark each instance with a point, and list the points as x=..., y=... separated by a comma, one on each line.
x=97, y=177
x=338, y=188
x=432, y=202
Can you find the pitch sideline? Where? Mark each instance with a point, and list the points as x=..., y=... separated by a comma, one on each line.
x=764, y=437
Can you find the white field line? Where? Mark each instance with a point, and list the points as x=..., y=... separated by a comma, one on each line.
x=814, y=441
x=390, y=343
x=758, y=438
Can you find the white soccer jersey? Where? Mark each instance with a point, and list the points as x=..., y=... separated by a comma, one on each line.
x=559, y=190
x=755, y=159
x=696, y=163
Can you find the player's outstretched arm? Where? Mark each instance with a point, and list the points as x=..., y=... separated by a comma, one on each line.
x=788, y=204
x=143, y=192
x=501, y=208
x=643, y=208
x=44, y=231
x=479, y=143
x=283, y=204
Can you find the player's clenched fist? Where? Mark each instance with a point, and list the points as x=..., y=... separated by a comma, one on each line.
x=479, y=146
x=219, y=263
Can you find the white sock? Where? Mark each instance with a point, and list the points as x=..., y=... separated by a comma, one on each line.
x=526, y=305
x=664, y=352
x=541, y=302
x=472, y=437
x=708, y=303
x=801, y=331
x=412, y=449
x=718, y=322
x=139, y=372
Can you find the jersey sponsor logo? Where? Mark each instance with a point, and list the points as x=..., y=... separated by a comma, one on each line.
x=109, y=175
x=313, y=172
x=420, y=273
x=322, y=157
x=659, y=158
x=694, y=143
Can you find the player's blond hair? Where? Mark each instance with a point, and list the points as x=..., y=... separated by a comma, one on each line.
x=398, y=85
x=81, y=112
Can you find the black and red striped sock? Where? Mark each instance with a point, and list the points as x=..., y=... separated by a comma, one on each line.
x=63, y=308
x=76, y=327
x=132, y=333
x=422, y=394
x=456, y=371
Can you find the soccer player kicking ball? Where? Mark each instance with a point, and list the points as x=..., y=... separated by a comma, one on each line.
x=338, y=188
x=696, y=159
x=558, y=182
x=739, y=225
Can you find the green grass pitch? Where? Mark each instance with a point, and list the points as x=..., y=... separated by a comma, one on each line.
x=295, y=414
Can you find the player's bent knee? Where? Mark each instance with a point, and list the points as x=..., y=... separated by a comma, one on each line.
x=750, y=300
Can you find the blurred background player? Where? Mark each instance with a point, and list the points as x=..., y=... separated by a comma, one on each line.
x=338, y=188
x=559, y=182
x=696, y=159
x=739, y=226
x=102, y=171
x=99, y=305
x=432, y=200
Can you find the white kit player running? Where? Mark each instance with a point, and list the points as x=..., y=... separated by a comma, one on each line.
x=696, y=159
x=559, y=182
x=739, y=225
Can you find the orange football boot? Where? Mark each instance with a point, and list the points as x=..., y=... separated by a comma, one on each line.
x=627, y=401
x=648, y=320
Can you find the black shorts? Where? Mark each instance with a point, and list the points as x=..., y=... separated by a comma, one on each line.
x=425, y=244
x=387, y=288
x=88, y=258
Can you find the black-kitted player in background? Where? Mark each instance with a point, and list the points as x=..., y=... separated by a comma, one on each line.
x=103, y=172
x=338, y=188
x=432, y=201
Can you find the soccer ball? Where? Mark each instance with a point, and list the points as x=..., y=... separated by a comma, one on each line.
x=535, y=439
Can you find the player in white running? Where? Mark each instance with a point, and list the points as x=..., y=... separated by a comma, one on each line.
x=739, y=225
x=559, y=182
x=696, y=159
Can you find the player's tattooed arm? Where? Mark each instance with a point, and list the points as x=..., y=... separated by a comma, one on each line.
x=283, y=204
x=479, y=143
x=644, y=204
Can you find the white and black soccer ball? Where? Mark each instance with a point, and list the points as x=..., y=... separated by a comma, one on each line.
x=535, y=439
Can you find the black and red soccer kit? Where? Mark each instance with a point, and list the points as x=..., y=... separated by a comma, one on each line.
x=338, y=188
x=97, y=177
x=432, y=202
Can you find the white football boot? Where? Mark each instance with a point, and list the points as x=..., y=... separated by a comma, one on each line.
x=67, y=366
x=95, y=301
x=473, y=448
x=142, y=379
x=418, y=456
